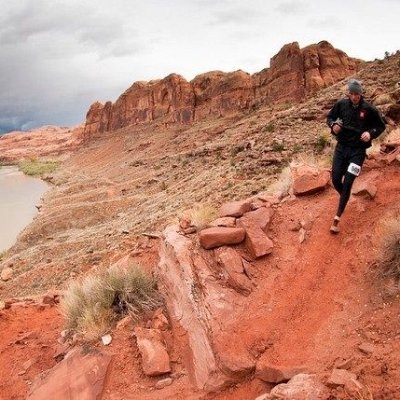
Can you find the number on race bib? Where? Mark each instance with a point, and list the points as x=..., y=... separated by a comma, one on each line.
x=354, y=169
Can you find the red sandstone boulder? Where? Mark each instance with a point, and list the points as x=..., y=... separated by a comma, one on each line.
x=300, y=387
x=205, y=309
x=155, y=359
x=257, y=242
x=232, y=270
x=367, y=189
x=260, y=217
x=309, y=180
x=235, y=208
x=229, y=222
x=220, y=236
x=78, y=376
x=276, y=374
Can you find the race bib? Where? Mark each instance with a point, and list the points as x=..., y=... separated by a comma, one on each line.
x=354, y=169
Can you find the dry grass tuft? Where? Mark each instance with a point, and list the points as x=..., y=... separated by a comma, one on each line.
x=201, y=215
x=282, y=186
x=312, y=160
x=388, y=263
x=90, y=306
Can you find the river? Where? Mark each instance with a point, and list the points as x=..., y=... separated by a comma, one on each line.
x=19, y=194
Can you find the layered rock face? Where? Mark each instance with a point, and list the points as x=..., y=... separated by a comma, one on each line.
x=294, y=73
x=41, y=142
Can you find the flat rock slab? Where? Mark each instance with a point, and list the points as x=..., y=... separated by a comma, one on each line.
x=235, y=208
x=220, y=236
x=224, y=221
x=78, y=376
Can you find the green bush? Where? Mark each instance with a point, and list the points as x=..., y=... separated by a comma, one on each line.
x=36, y=167
x=92, y=305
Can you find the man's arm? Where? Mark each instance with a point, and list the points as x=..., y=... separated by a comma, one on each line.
x=333, y=115
x=377, y=123
x=333, y=118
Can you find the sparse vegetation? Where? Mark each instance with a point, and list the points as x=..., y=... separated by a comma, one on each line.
x=2, y=254
x=278, y=147
x=362, y=394
x=163, y=186
x=322, y=142
x=201, y=215
x=90, y=306
x=282, y=185
x=388, y=264
x=236, y=150
x=270, y=127
x=297, y=148
x=311, y=160
x=36, y=167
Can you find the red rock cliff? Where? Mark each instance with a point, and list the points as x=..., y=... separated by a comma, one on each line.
x=293, y=74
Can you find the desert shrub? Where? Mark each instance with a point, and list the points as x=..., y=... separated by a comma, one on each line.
x=236, y=150
x=297, y=148
x=163, y=186
x=322, y=142
x=269, y=127
x=388, y=262
x=36, y=167
x=312, y=160
x=201, y=215
x=281, y=187
x=91, y=305
x=278, y=147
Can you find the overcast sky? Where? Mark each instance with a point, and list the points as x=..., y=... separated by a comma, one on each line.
x=59, y=56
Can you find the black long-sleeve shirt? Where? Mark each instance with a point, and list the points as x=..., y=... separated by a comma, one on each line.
x=355, y=120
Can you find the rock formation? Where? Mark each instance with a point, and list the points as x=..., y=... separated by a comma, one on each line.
x=293, y=74
x=44, y=141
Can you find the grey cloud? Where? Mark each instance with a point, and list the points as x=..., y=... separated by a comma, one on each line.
x=239, y=16
x=57, y=22
x=292, y=8
x=330, y=22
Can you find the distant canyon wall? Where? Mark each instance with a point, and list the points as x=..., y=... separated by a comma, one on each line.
x=294, y=73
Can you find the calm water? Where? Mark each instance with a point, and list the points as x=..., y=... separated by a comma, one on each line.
x=18, y=196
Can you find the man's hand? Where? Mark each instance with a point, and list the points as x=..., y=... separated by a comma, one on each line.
x=336, y=128
x=366, y=136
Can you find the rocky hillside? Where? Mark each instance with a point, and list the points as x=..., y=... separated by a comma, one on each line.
x=136, y=179
x=293, y=74
x=240, y=318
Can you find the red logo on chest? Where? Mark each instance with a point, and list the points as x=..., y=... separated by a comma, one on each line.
x=362, y=114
